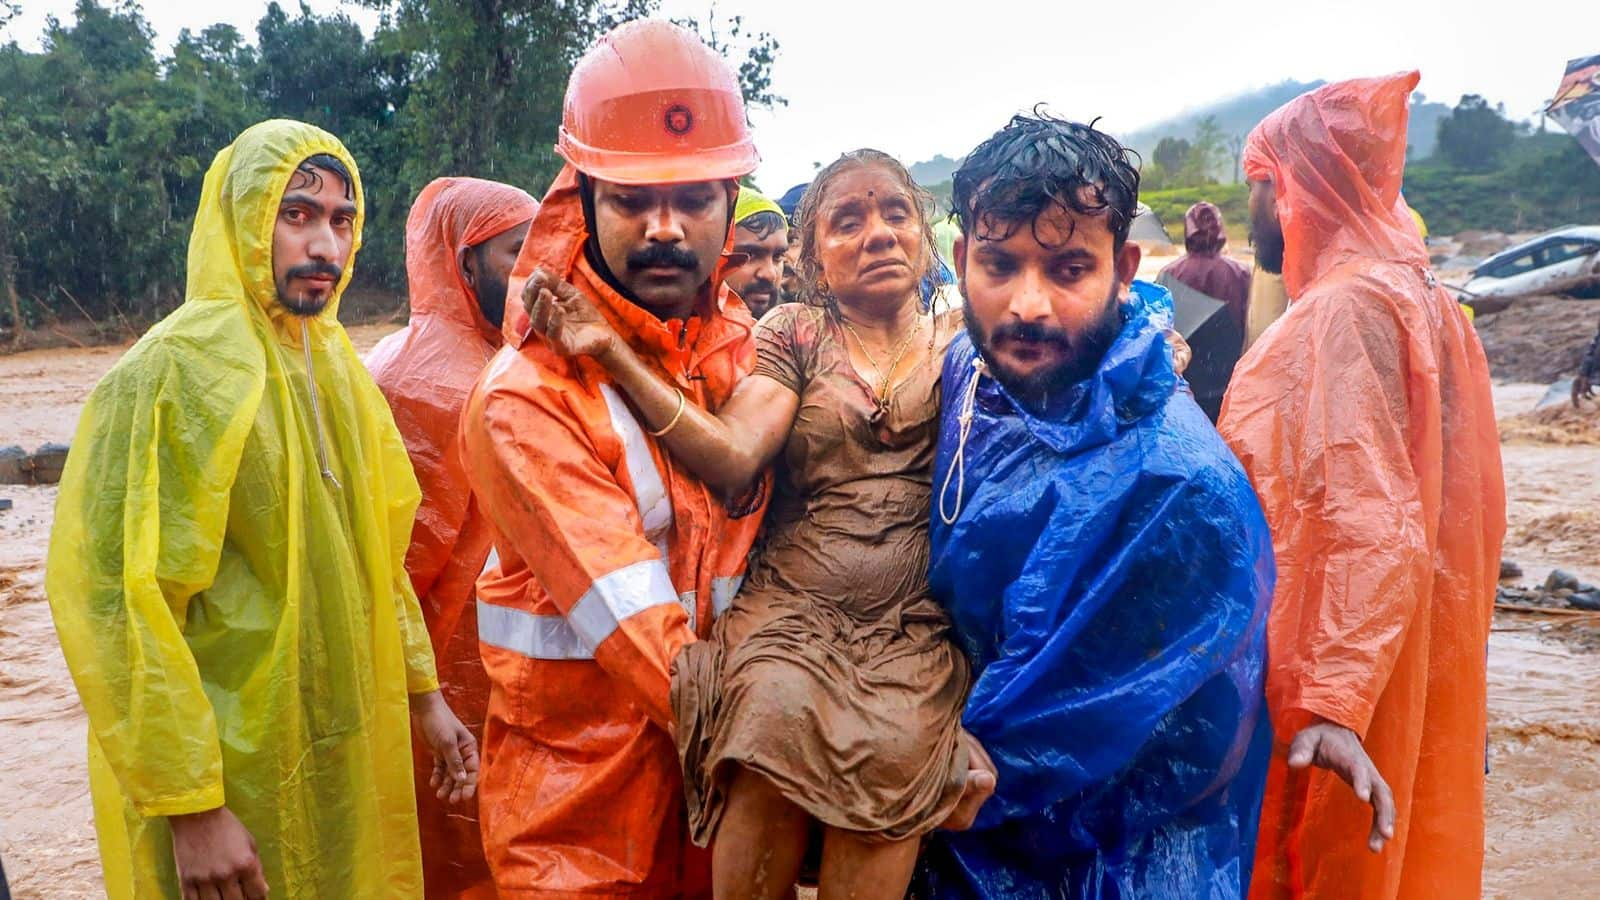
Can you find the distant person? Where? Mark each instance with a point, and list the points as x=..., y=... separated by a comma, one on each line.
x=1588, y=374
x=1102, y=557
x=1365, y=420
x=227, y=567
x=462, y=238
x=761, y=237
x=1206, y=276
x=1204, y=267
x=789, y=287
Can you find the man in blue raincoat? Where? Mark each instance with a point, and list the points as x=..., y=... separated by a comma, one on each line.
x=1099, y=549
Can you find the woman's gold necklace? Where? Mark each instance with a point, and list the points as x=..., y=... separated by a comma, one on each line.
x=885, y=389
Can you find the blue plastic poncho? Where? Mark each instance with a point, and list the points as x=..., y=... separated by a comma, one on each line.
x=1108, y=572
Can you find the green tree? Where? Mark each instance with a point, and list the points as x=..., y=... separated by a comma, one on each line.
x=1207, y=154
x=106, y=143
x=323, y=70
x=1171, y=154
x=1475, y=136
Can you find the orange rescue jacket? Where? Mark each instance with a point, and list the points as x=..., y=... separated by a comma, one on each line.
x=612, y=558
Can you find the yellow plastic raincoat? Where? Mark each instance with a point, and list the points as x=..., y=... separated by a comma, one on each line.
x=240, y=628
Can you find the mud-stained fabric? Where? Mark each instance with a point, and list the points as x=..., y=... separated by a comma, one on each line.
x=833, y=675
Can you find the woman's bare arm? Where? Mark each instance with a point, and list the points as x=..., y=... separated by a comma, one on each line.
x=727, y=450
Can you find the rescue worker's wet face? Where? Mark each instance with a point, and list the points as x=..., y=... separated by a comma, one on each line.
x=763, y=245
x=1266, y=233
x=311, y=238
x=486, y=268
x=661, y=242
x=868, y=236
x=1043, y=298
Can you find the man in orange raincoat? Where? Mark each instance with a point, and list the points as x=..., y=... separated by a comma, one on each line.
x=462, y=238
x=612, y=557
x=1365, y=421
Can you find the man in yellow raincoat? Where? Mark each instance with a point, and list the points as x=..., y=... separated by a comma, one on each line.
x=227, y=567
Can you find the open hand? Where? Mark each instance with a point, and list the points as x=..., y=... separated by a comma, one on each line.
x=216, y=857
x=1336, y=748
x=566, y=317
x=978, y=787
x=455, y=750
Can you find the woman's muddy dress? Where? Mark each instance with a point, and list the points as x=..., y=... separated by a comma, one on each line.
x=833, y=674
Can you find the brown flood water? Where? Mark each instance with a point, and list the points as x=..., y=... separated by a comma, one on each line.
x=1543, y=838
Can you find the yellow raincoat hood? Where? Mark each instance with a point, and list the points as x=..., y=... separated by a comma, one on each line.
x=242, y=630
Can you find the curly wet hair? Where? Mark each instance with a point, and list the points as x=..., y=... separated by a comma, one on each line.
x=812, y=290
x=1039, y=161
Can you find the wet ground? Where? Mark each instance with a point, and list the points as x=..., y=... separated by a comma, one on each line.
x=1544, y=696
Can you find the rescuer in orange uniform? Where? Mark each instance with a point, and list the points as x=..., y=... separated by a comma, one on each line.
x=1364, y=419
x=462, y=238
x=612, y=557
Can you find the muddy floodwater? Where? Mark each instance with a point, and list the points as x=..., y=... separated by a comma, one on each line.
x=1544, y=696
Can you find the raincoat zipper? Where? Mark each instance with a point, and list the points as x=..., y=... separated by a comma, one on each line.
x=316, y=408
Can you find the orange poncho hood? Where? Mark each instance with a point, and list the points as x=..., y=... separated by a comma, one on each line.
x=1336, y=157
x=449, y=217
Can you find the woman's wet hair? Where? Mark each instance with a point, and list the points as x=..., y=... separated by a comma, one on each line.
x=810, y=266
x=1037, y=162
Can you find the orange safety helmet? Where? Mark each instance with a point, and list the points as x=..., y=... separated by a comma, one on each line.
x=652, y=104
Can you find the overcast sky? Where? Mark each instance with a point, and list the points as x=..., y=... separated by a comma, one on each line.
x=916, y=79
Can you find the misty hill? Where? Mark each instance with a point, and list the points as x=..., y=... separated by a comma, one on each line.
x=933, y=171
x=1234, y=115
x=1237, y=115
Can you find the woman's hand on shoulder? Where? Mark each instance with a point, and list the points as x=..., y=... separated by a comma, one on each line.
x=567, y=318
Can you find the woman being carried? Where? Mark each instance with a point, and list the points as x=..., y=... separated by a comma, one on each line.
x=831, y=693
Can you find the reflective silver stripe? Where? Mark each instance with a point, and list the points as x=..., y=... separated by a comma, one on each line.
x=626, y=592
x=537, y=637
x=649, y=493
x=722, y=592
x=690, y=601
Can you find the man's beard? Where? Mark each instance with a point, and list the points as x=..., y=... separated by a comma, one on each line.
x=1268, y=245
x=1081, y=352
x=491, y=294
x=300, y=304
x=760, y=295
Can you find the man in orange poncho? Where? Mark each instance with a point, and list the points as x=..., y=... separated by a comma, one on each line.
x=612, y=557
x=1365, y=421
x=462, y=238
